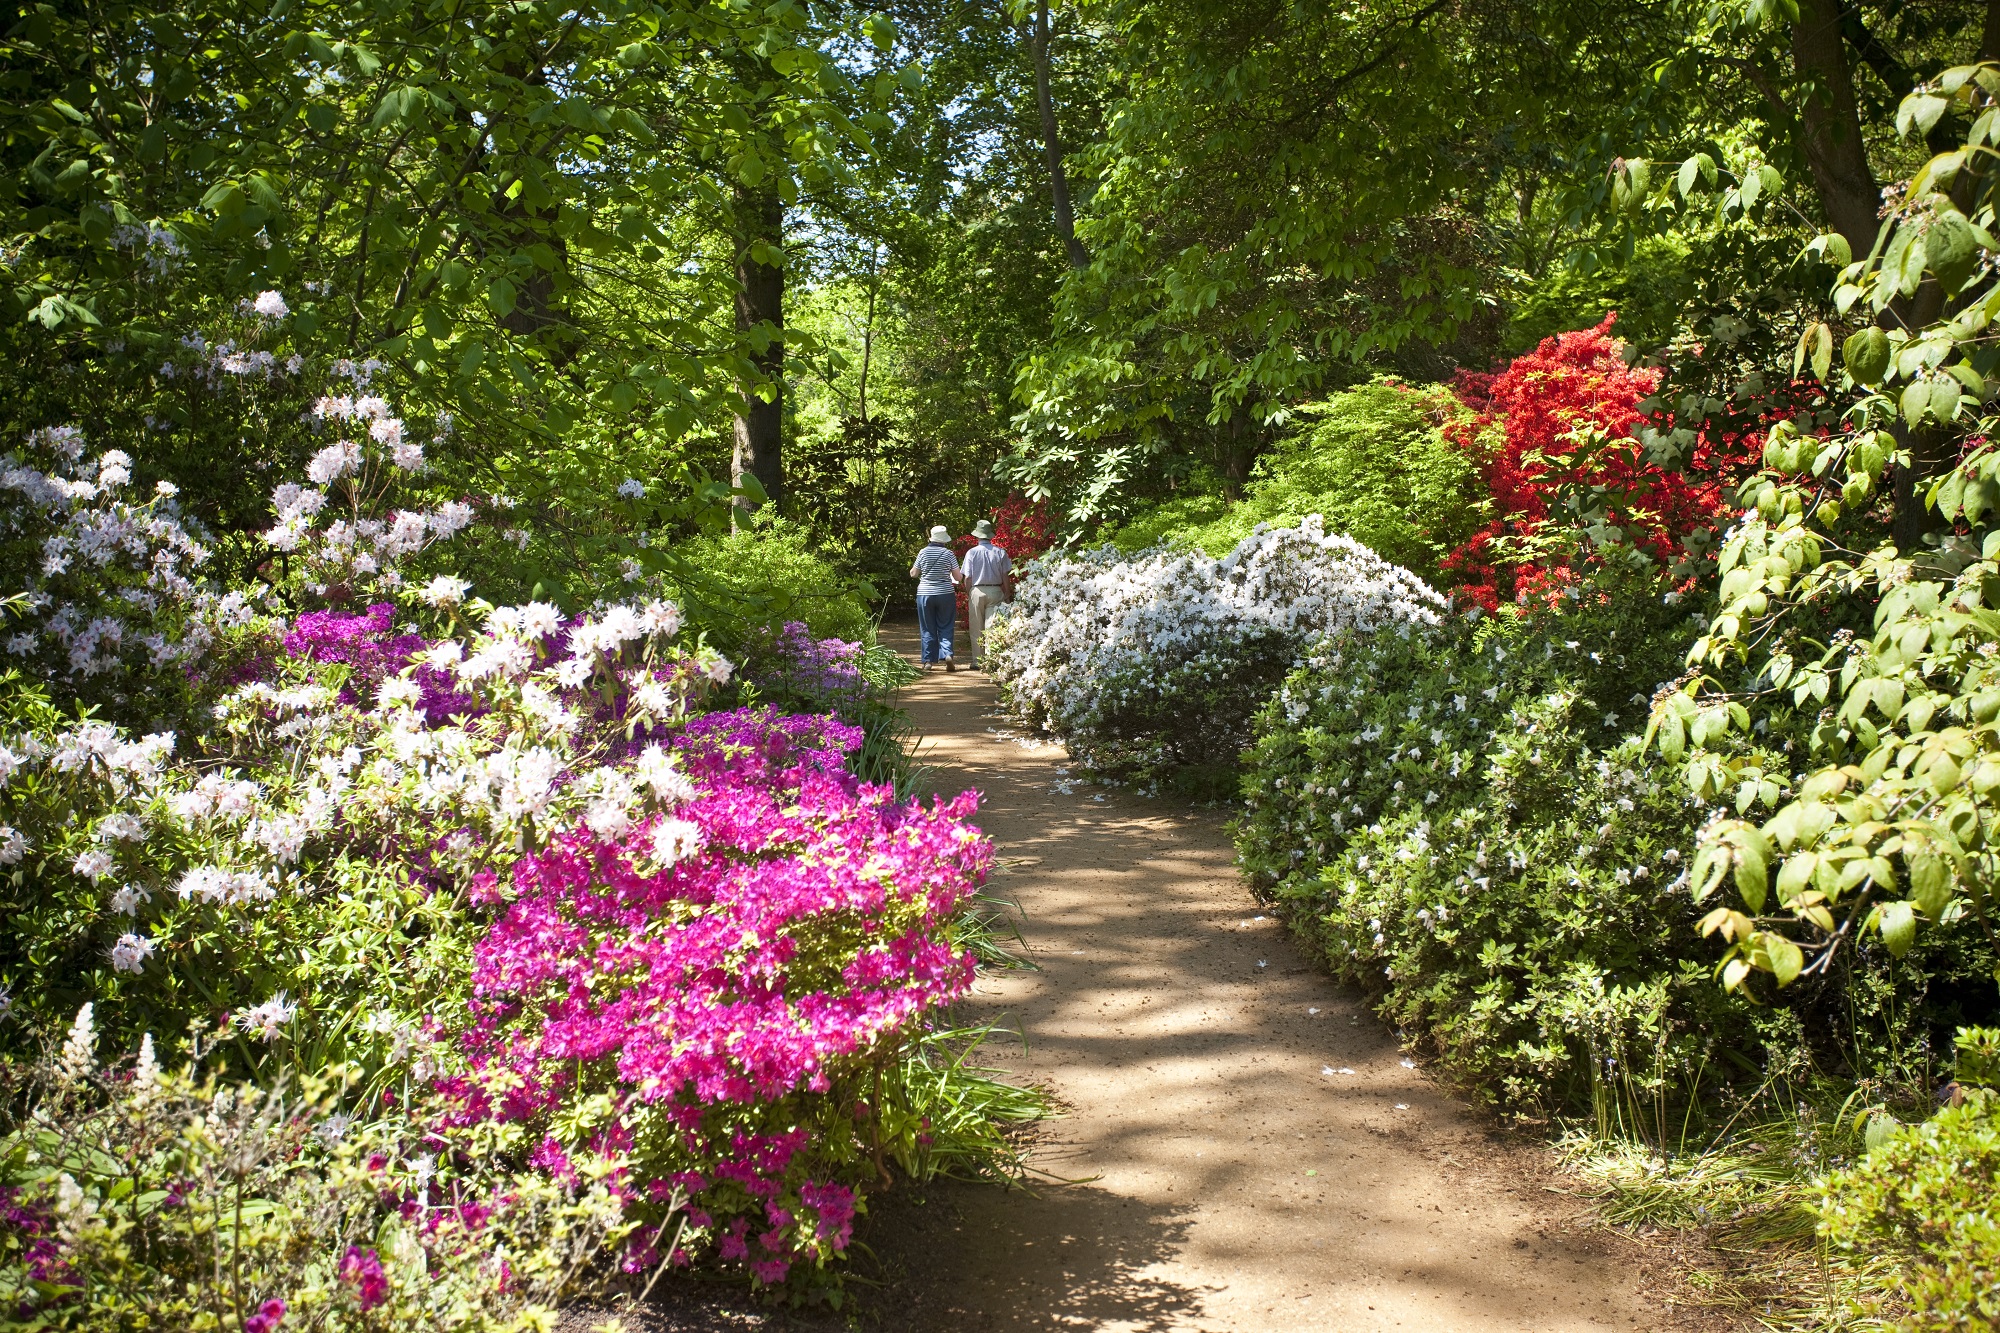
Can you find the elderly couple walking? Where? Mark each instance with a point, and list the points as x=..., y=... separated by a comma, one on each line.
x=985, y=574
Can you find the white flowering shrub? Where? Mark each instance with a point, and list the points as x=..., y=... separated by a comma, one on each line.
x=343, y=524
x=109, y=586
x=1149, y=666
x=215, y=876
x=1461, y=819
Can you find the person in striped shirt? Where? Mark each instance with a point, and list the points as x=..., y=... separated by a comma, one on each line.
x=936, y=572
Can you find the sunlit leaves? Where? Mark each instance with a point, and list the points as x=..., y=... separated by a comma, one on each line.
x=1865, y=354
x=1895, y=820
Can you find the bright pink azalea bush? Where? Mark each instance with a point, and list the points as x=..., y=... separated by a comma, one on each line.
x=719, y=1019
x=587, y=970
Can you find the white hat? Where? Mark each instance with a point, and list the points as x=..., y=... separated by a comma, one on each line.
x=941, y=533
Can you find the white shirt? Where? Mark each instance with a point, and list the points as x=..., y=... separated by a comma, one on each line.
x=986, y=564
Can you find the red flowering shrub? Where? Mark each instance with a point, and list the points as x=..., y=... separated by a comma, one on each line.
x=1553, y=438
x=1023, y=528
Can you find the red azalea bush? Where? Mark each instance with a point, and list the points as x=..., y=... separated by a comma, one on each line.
x=713, y=996
x=1553, y=434
x=1023, y=528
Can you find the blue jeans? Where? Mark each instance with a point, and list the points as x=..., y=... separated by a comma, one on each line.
x=936, y=615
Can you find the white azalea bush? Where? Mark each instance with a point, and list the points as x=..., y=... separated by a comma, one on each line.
x=1149, y=666
x=107, y=587
x=313, y=835
x=1462, y=820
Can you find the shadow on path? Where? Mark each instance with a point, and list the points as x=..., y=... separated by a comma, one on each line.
x=1254, y=1153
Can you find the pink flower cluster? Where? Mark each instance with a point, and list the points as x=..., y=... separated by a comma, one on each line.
x=370, y=646
x=361, y=1273
x=730, y=1003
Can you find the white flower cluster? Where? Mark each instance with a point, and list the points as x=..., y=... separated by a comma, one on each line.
x=159, y=248
x=118, y=812
x=216, y=363
x=1091, y=632
x=112, y=579
x=333, y=521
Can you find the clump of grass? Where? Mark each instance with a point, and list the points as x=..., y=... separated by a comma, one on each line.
x=989, y=927
x=1744, y=1198
x=963, y=1121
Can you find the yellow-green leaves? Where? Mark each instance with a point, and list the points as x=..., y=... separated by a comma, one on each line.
x=1933, y=398
x=1734, y=846
x=1815, y=343
x=1701, y=167
x=1631, y=181
x=1866, y=355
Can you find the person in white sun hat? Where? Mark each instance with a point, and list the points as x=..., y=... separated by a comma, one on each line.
x=936, y=572
x=988, y=575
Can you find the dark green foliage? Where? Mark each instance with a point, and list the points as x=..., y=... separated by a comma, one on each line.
x=1462, y=822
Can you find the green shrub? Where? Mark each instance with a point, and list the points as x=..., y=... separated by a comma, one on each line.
x=765, y=573
x=1929, y=1195
x=1373, y=461
x=142, y=1197
x=1461, y=821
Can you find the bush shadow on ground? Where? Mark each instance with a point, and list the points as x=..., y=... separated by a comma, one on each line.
x=962, y=1258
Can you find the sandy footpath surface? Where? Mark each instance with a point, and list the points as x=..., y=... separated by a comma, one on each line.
x=1254, y=1152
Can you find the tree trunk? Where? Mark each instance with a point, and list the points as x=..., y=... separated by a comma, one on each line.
x=1052, y=141
x=760, y=314
x=1831, y=126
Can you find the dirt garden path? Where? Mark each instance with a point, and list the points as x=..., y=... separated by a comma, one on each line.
x=1259, y=1156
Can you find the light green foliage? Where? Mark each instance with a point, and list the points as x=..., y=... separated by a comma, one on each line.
x=1373, y=461
x=1925, y=1195
x=771, y=570
x=1649, y=293
x=522, y=217
x=1879, y=655
x=1285, y=193
x=180, y=1202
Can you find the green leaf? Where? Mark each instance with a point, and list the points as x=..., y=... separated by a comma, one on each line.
x=500, y=297
x=881, y=30
x=1785, y=958
x=1833, y=249
x=1951, y=251
x=1930, y=882
x=1866, y=355
x=1753, y=866
x=1898, y=924
x=1921, y=112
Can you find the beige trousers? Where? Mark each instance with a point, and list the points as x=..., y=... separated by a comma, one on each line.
x=981, y=601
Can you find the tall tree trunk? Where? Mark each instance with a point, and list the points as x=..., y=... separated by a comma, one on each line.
x=868, y=329
x=760, y=301
x=1052, y=140
x=1831, y=125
